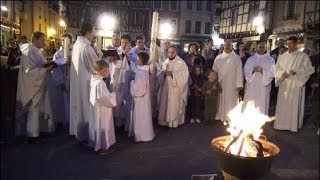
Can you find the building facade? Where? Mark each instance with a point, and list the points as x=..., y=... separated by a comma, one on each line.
x=247, y=21
x=311, y=23
x=135, y=17
x=10, y=21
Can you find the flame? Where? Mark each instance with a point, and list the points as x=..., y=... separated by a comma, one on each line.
x=245, y=128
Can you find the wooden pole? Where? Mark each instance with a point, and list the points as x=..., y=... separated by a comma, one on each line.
x=153, y=45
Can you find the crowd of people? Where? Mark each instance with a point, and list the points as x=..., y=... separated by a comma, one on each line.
x=95, y=93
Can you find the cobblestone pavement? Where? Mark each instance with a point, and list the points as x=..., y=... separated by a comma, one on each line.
x=174, y=154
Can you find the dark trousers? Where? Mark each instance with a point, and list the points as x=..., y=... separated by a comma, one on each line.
x=210, y=108
x=196, y=106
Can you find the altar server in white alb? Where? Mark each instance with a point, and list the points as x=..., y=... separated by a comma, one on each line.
x=229, y=68
x=141, y=120
x=83, y=58
x=292, y=71
x=259, y=72
x=32, y=90
x=172, y=96
x=101, y=126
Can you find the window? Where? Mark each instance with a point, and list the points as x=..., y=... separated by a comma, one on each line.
x=208, y=28
x=234, y=15
x=188, y=26
x=174, y=5
x=290, y=9
x=157, y=4
x=209, y=6
x=189, y=5
x=198, y=27
x=199, y=5
x=218, y=11
x=253, y=10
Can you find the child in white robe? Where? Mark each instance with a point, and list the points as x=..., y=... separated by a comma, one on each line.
x=101, y=126
x=141, y=118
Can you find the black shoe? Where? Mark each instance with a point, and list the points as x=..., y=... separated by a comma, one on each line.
x=106, y=151
x=36, y=140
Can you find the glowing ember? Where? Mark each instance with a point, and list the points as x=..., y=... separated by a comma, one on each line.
x=245, y=128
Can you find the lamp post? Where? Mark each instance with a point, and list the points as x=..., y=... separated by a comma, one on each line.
x=258, y=22
x=165, y=30
x=107, y=24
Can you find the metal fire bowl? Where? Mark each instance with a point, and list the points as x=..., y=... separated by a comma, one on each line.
x=245, y=167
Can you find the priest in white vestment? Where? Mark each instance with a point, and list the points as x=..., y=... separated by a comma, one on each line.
x=141, y=120
x=292, y=71
x=229, y=68
x=83, y=58
x=259, y=72
x=121, y=83
x=32, y=89
x=101, y=127
x=173, y=90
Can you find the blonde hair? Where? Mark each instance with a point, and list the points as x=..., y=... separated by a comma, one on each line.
x=99, y=65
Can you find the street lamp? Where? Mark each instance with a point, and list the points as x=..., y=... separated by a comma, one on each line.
x=166, y=30
x=4, y=8
x=258, y=22
x=107, y=22
x=62, y=23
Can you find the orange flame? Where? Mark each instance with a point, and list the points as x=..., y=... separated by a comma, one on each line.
x=246, y=123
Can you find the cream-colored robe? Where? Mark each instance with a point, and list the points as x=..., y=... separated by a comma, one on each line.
x=141, y=121
x=291, y=94
x=258, y=85
x=172, y=96
x=32, y=94
x=83, y=58
x=101, y=127
x=230, y=75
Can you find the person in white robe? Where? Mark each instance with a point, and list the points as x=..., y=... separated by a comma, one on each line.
x=292, y=71
x=83, y=58
x=259, y=72
x=32, y=90
x=230, y=75
x=141, y=120
x=58, y=93
x=121, y=84
x=172, y=96
x=101, y=127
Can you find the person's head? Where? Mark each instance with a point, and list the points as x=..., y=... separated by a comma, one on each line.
x=38, y=39
x=196, y=70
x=23, y=39
x=209, y=43
x=241, y=46
x=227, y=46
x=167, y=44
x=87, y=30
x=314, y=50
x=116, y=41
x=261, y=47
x=282, y=50
x=142, y=59
x=66, y=36
x=292, y=43
x=101, y=68
x=280, y=43
x=93, y=42
x=307, y=51
x=125, y=41
x=140, y=42
x=158, y=42
x=212, y=75
x=221, y=48
x=193, y=48
x=172, y=52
